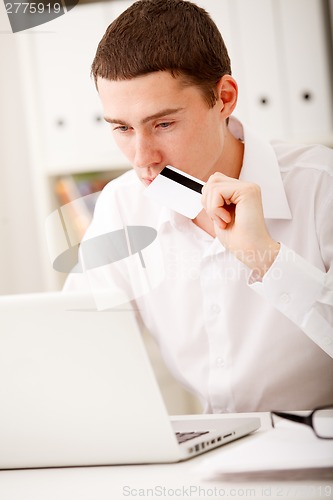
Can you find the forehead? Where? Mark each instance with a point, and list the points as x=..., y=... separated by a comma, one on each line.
x=145, y=94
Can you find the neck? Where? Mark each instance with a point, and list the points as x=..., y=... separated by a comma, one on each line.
x=232, y=157
x=230, y=165
x=205, y=223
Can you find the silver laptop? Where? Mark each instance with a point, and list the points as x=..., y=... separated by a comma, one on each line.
x=77, y=389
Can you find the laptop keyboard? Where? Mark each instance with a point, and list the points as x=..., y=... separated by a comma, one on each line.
x=186, y=436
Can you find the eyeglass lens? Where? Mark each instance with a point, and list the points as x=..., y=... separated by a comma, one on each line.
x=322, y=422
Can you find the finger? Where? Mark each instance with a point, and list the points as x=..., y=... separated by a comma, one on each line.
x=212, y=181
x=222, y=214
x=211, y=199
x=220, y=223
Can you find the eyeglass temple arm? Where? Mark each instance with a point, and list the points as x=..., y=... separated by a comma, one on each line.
x=307, y=420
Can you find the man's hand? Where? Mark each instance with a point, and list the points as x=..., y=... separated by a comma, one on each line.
x=235, y=207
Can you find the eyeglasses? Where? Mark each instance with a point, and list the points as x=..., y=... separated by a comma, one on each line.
x=320, y=420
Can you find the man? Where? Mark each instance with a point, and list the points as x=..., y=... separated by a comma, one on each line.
x=243, y=309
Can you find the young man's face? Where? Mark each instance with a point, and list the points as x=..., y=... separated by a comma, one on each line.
x=157, y=122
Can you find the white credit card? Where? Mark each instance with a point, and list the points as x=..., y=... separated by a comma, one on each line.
x=176, y=190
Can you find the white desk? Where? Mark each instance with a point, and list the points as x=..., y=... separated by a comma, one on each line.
x=156, y=481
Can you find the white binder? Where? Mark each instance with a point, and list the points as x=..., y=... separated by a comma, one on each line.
x=75, y=136
x=258, y=51
x=224, y=14
x=306, y=55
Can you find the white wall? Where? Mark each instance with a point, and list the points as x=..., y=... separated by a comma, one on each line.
x=19, y=250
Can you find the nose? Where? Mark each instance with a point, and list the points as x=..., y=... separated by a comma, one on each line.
x=147, y=152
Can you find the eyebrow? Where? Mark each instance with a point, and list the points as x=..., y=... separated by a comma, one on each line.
x=155, y=116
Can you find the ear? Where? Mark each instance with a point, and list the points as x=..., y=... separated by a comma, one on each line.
x=227, y=92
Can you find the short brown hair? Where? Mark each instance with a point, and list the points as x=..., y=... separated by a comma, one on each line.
x=164, y=35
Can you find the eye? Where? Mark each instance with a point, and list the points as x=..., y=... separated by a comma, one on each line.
x=164, y=124
x=122, y=128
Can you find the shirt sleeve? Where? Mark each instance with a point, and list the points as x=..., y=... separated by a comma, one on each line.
x=303, y=293
x=102, y=273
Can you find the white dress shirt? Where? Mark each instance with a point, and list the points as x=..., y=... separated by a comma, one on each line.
x=240, y=344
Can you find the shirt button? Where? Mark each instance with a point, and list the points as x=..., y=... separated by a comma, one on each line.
x=284, y=298
x=220, y=362
x=215, y=308
x=326, y=341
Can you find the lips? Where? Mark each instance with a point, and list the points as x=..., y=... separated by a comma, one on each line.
x=148, y=180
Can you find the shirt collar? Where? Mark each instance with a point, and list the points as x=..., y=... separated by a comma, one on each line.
x=170, y=216
x=261, y=167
